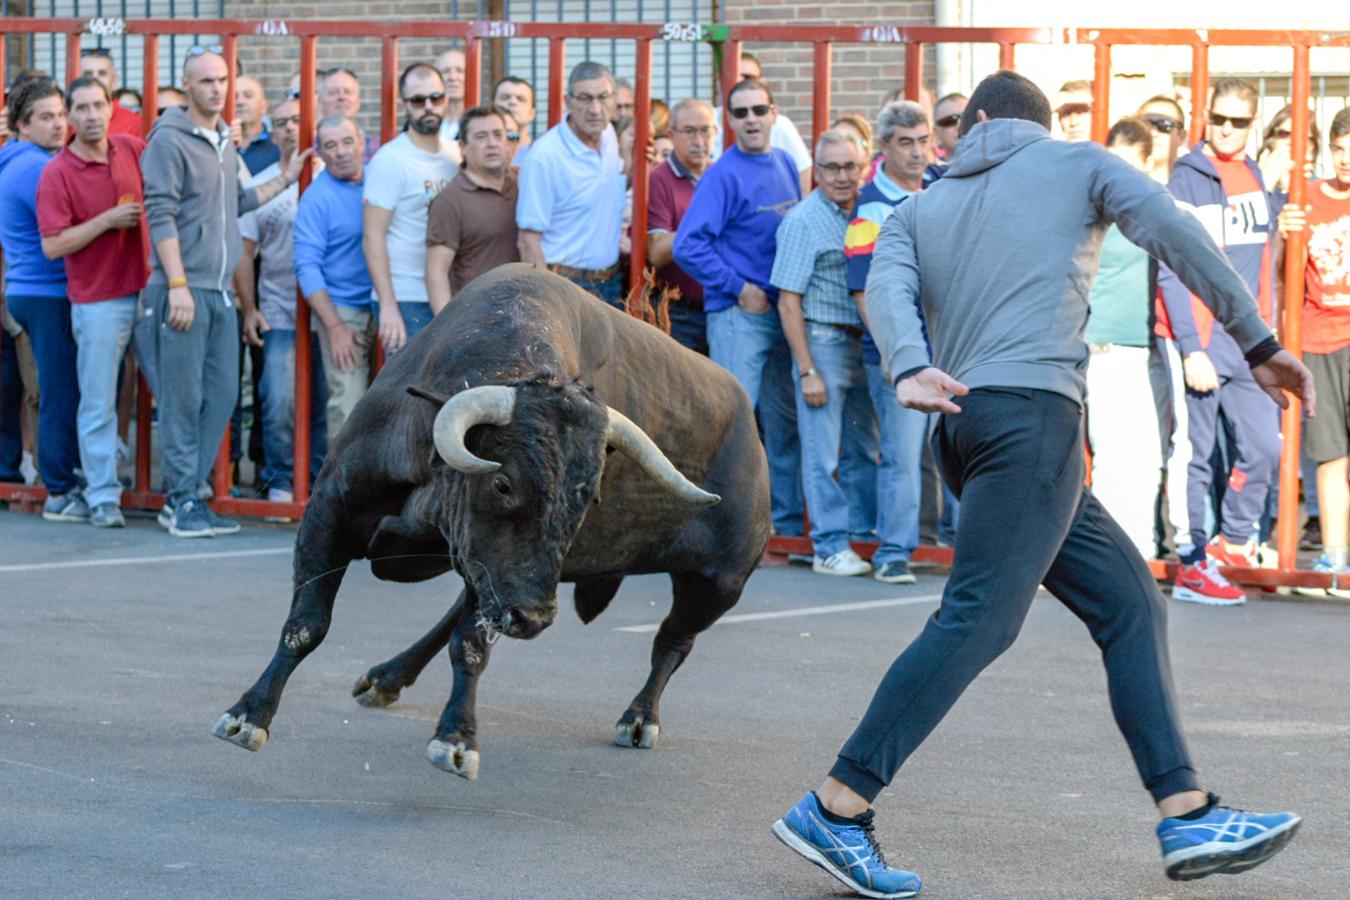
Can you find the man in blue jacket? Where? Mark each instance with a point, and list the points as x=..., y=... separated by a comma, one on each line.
x=331, y=267
x=1222, y=187
x=727, y=241
x=1001, y=253
x=35, y=290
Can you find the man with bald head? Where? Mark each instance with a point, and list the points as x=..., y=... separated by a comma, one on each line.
x=193, y=199
x=256, y=147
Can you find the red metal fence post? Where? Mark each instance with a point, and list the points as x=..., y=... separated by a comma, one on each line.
x=1292, y=332
x=820, y=94
x=309, y=57
x=473, y=72
x=149, y=84
x=731, y=73
x=221, y=475
x=913, y=71
x=1101, y=91
x=389, y=101
x=1199, y=90
x=72, y=56
x=1007, y=55
x=642, y=132
x=557, y=79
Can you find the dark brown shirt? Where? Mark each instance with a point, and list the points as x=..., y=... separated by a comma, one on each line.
x=476, y=222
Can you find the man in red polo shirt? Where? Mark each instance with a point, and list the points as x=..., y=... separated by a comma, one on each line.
x=89, y=211
x=97, y=62
x=672, y=183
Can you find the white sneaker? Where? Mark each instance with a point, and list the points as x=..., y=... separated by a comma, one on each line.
x=845, y=562
x=278, y=495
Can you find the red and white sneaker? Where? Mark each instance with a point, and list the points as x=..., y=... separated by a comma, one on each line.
x=1202, y=583
x=1226, y=553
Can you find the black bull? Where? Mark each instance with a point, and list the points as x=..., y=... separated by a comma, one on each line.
x=501, y=443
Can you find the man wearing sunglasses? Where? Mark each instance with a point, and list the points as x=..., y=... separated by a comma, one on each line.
x=1222, y=187
x=404, y=177
x=947, y=124
x=1168, y=120
x=727, y=242
x=97, y=62
x=570, y=210
x=193, y=198
x=1073, y=109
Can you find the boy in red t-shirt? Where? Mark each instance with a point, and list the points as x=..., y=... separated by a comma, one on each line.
x=89, y=211
x=1326, y=343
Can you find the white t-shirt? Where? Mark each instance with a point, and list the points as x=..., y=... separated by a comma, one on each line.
x=405, y=179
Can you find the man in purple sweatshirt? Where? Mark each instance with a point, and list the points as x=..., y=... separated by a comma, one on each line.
x=726, y=242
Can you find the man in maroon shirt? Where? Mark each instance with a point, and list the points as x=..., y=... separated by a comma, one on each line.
x=89, y=212
x=97, y=62
x=672, y=183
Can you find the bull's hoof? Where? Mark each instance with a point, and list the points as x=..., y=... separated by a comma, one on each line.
x=637, y=733
x=368, y=692
x=457, y=758
x=237, y=730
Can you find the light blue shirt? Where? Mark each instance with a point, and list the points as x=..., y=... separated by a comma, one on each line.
x=574, y=197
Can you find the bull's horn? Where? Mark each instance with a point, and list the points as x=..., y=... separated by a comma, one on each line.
x=490, y=404
x=631, y=440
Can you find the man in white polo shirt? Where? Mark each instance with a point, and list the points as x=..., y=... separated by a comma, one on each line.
x=570, y=209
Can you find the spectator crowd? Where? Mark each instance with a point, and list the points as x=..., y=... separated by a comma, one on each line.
x=190, y=247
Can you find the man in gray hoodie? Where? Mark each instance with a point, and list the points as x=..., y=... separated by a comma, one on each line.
x=193, y=199
x=1001, y=255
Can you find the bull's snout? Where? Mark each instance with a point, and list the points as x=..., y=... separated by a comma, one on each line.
x=525, y=624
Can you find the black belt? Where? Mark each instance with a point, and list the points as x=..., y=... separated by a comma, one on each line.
x=850, y=330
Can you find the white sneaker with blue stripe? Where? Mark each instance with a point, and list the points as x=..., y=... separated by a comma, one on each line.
x=848, y=852
x=1223, y=841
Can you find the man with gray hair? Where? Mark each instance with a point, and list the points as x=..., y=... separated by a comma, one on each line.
x=570, y=206
x=903, y=134
x=824, y=330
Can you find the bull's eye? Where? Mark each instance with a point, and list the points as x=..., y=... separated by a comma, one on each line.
x=501, y=485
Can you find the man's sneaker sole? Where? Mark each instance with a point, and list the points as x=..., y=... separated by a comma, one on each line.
x=907, y=578
x=179, y=533
x=61, y=517
x=1186, y=595
x=784, y=833
x=1228, y=857
x=165, y=518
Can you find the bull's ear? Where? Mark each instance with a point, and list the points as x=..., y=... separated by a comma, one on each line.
x=423, y=394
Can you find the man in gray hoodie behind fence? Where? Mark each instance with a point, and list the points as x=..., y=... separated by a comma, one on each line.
x=1001, y=255
x=193, y=199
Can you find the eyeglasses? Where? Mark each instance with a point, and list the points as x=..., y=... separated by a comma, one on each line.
x=690, y=131
x=1238, y=122
x=103, y=52
x=759, y=109
x=293, y=93
x=587, y=99
x=513, y=136
x=435, y=99
x=949, y=121
x=1161, y=124
x=283, y=121
x=199, y=50
x=1071, y=109
x=834, y=169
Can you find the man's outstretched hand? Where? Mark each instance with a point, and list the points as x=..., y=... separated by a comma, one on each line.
x=931, y=390
x=1282, y=372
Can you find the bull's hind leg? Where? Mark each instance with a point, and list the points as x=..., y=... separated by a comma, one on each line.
x=455, y=746
x=320, y=562
x=382, y=684
x=699, y=602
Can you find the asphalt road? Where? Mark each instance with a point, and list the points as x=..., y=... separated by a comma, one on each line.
x=111, y=785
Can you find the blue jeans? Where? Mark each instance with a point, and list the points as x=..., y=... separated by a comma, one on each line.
x=47, y=321
x=416, y=316
x=609, y=290
x=689, y=326
x=102, y=332
x=900, y=476
x=11, y=406
x=753, y=348
x=278, y=409
x=847, y=411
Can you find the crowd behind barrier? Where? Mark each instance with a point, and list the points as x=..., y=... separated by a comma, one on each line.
x=206, y=245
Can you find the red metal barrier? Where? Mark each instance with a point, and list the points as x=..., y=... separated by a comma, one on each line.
x=726, y=41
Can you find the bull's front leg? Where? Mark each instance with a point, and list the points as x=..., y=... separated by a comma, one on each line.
x=382, y=684
x=321, y=559
x=455, y=746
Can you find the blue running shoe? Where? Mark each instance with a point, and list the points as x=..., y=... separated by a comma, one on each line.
x=1224, y=841
x=848, y=852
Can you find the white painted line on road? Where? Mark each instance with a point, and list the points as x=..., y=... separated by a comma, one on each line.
x=141, y=560
x=803, y=611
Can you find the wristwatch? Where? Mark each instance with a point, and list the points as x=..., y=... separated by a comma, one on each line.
x=810, y=371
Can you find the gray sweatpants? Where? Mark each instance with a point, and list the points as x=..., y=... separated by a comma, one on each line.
x=198, y=375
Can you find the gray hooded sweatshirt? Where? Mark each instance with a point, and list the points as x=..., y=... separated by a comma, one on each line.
x=192, y=192
x=1002, y=252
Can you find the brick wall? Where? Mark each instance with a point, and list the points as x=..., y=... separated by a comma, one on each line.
x=863, y=74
